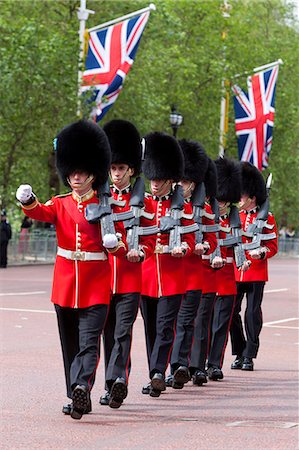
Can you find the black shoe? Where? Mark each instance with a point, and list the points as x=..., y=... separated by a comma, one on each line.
x=180, y=377
x=238, y=363
x=154, y=392
x=199, y=378
x=81, y=400
x=67, y=409
x=104, y=399
x=146, y=389
x=247, y=364
x=169, y=380
x=158, y=382
x=214, y=373
x=118, y=393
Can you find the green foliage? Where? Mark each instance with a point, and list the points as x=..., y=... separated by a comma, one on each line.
x=181, y=60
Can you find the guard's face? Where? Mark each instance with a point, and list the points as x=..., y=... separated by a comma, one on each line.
x=188, y=187
x=160, y=187
x=247, y=202
x=120, y=175
x=80, y=180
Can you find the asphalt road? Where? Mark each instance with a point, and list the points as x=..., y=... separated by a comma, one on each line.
x=248, y=410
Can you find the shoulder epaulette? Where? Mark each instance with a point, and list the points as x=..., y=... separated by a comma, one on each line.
x=147, y=195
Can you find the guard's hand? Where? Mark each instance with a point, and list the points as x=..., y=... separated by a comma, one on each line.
x=24, y=193
x=217, y=262
x=245, y=266
x=110, y=241
x=200, y=249
x=258, y=253
x=134, y=256
x=178, y=252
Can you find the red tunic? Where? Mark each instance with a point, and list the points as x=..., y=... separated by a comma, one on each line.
x=193, y=263
x=226, y=283
x=76, y=284
x=259, y=267
x=127, y=276
x=163, y=274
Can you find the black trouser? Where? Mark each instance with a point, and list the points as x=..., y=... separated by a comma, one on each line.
x=118, y=336
x=80, y=331
x=222, y=317
x=159, y=315
x=184, y=330
x=3, y=253
x=253, y=320
x=201, y=333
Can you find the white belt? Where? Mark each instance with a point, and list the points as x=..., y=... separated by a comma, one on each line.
x=229, y=260
x=205, y=256
x=81, y=256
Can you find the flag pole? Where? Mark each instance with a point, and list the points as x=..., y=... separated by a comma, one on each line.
x=151, y=7
x=260, y=68
x=226, y=7
x=82, y=14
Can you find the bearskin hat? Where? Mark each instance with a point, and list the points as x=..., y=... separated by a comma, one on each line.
x=83, y=146
x=253, y=183
x=125, y=143
x=164, y=158
x=211, y=179
x=196, y=161
x=229, y=180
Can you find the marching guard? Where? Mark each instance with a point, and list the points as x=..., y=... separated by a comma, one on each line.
x=163, y=283
x=254, y=212
x=81, y=281
x=201, y=337
x=126, y=276
x=228, y=193
x=196, y=164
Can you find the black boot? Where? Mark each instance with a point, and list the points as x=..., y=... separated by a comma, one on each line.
x=238, y=363
x=247, y=364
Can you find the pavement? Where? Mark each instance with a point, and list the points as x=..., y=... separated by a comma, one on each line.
x=248, y=410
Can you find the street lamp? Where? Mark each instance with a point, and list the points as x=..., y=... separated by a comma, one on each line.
x=175, y=120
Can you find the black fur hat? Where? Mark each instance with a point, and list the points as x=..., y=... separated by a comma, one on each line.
x=196, y=161
x=83, y=146
x=253, y=183
x=211, y=179
x=164, y=158
x=125, y=143
x=229, y=180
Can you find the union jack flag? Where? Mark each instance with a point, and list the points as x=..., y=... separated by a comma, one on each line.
x=254, y=117
x=110, y=55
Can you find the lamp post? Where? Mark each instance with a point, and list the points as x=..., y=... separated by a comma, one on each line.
x=175, y=120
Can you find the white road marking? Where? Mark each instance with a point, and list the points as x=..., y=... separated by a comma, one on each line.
x=4, y=294
x=270, y=291
x=281, y=321
x=28, y=310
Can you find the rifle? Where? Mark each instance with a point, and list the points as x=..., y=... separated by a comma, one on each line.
x=255, y=230
x=102, y=211
x=215, y=209
x=235, y=239
x=198, y=202
x=171, y=222
x=134, y=230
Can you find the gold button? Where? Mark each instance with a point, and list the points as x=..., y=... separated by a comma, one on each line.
x=158, y=240
x=79, y=238
x=158, y=234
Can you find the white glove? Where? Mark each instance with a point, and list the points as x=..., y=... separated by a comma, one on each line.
x=258, y=253
x=110, y=241
x=217, y=262
x=24, y=193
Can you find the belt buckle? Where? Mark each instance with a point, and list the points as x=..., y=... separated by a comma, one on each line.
x=78, y=255
x=159, y=248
